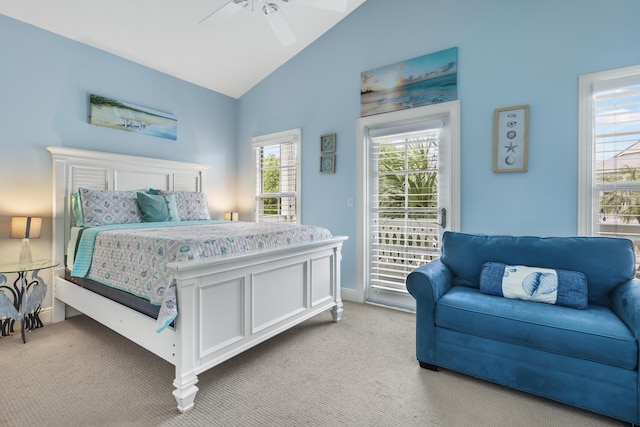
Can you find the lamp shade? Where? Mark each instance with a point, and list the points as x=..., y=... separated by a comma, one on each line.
x=25, y=227
x=231, y=216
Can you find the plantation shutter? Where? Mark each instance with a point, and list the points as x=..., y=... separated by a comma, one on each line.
x=403, y=209
x=277, y=179
x=616, y=145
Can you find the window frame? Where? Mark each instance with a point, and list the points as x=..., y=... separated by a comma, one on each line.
x=258, y=142
x=586, y=134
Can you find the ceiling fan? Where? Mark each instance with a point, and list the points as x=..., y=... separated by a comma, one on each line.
x=273, y=14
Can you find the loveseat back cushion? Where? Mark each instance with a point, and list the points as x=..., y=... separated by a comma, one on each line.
x=605, y=261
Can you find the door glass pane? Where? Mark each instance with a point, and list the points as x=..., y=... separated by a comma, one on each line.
x=404, y=206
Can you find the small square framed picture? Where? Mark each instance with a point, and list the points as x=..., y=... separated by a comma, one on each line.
x=328, y=143
x=328, y=164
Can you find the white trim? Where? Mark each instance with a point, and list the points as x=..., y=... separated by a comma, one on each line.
x=294, y=135
x=450, y=113
x=349, y=294
x=586, y=125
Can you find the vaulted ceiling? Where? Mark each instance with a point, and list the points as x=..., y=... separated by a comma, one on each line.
x=229, y=57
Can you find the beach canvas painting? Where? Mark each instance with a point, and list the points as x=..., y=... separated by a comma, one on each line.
x=425, y=80
x=122, y=115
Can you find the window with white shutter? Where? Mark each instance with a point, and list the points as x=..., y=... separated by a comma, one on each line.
x=277, y=177
x=610, y=154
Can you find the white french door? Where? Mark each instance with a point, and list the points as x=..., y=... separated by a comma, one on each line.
x=410, y=188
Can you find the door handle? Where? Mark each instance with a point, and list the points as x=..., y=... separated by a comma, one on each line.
x=443, y=218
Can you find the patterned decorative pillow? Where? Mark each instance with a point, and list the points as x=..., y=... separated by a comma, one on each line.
x=561, y=287
x=192, y=205
x=105, y=207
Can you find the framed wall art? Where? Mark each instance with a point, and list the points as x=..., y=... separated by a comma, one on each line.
x=328, y=143
x=511, y=139
x=116, y=114
x=328, y=164
x=425, y=80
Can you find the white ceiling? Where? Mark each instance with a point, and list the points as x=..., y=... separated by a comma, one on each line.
x=166, y=35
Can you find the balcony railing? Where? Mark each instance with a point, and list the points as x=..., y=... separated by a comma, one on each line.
x=399, y=246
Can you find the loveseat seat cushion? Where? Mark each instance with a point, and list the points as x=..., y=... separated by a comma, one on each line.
x=605, y=261
x=594, y=334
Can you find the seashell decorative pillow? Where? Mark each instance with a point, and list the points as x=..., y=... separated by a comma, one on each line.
x=561, y=287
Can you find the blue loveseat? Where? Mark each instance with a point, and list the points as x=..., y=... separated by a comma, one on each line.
x=583, y=357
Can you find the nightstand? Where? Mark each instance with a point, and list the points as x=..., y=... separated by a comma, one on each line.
x=27, y=295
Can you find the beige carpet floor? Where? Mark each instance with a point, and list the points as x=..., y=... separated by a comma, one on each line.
x=359, y=372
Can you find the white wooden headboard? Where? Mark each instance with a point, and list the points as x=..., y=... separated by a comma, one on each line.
x=73, y=168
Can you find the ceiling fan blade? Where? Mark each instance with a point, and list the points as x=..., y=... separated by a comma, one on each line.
x=225, y=12
x=279, y=24
x=334, y=5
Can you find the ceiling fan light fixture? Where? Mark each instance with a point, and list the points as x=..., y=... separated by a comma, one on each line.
x=269, y=8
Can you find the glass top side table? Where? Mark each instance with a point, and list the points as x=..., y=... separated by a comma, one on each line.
x=26, y=305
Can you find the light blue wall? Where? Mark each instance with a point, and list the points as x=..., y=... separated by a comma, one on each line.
x=510, y=52
x=45, y=82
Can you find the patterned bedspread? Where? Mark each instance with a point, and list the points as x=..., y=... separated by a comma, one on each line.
x=134, y=257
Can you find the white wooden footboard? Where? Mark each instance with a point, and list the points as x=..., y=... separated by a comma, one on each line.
x=236, y=304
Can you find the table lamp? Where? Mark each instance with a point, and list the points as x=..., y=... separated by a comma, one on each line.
x=25, y=228
x=231, y=216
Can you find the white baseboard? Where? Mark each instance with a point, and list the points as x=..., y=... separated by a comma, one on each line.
x=352, y=295
x=46, y=315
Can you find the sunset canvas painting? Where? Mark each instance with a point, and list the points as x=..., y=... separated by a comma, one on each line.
x=425, y=80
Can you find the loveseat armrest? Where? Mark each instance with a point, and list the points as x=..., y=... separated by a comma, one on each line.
x=430, y=281
x=427, y=284
x=625, y=303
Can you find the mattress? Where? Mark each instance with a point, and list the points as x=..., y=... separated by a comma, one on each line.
x=141, y=305
x=134, y=257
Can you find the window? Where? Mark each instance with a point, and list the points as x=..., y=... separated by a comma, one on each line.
x=409, y=177
x=609, y=153
x=277, y=177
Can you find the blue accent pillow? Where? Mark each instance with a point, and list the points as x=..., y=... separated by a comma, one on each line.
x=561, y=287
x=158, y=208
x=76, y=210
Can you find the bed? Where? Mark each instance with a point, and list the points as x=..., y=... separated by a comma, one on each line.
x=226, y=304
